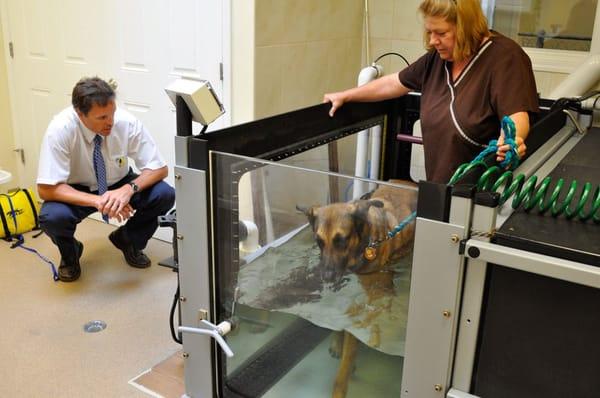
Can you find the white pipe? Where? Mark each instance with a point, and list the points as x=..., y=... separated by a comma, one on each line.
x=581, y=80
x=250, y=244
x=591, y=104
x=366, y=75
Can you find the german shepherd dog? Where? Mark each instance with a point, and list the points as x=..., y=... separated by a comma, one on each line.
x=343, y=231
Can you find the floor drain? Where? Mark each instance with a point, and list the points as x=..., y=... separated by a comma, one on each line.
x=94, y=326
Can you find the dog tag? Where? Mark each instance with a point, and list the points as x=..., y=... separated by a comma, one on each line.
x=370, y=253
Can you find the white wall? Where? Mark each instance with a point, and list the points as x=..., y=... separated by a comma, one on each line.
x=242, y=57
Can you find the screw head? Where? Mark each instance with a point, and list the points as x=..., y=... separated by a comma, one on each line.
x=446, y=313
x=186, y=355
x=178, y=176
x=455, y=238
x=437, y=387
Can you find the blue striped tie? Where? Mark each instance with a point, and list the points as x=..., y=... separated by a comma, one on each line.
x=100, y=169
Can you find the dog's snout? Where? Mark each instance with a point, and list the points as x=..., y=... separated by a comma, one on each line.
x=328, y=275
x=331, y=272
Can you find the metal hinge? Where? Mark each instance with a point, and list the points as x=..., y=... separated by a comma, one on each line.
x=11, y=50
x=21, y=151
x=221, y=71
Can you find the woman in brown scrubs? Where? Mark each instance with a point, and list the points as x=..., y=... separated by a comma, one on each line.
x=469, y=79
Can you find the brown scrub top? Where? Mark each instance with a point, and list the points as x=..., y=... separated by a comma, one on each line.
x=459, y=118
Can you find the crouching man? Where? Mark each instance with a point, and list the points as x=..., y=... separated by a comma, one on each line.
x=83, y=168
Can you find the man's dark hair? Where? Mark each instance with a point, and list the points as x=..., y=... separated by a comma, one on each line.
x=89, y=91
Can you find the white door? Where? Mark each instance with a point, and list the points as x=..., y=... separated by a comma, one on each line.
x=142, y=44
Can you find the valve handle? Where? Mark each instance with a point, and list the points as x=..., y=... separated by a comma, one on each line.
x=214, y=331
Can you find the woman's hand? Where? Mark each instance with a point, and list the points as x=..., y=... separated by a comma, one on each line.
x=521, y=121
x=503, y=148
x=337, y=100
x=384, y=88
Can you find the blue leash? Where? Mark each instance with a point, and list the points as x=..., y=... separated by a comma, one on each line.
x=402, y=224
x=370, y=252
x=510, y=134
x=19, y=243
x=20, y=240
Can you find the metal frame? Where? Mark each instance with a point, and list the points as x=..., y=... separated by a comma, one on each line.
x=431, y=344
x=194, y=278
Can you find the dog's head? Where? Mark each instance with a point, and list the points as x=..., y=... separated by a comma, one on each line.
x=342, y=233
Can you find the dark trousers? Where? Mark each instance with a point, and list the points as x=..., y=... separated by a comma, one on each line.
x=59, y=220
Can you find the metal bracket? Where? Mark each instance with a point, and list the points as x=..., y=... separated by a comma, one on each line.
x=540, y=264
x=577, y=126
x=461, y=246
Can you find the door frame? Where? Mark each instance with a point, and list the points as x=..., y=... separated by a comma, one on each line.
x=7, y=37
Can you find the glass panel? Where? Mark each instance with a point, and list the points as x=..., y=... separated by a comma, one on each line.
x=338, y=156
x=293, y=302
x=554, y=24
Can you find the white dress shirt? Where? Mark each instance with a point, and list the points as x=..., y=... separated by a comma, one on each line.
x=67, y=148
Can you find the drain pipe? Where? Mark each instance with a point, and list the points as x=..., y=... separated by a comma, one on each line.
x=583, y=78
x=366, y=75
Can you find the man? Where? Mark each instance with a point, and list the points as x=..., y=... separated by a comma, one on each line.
x=84, y=168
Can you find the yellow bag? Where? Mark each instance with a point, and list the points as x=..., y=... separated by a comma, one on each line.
x=19, y=211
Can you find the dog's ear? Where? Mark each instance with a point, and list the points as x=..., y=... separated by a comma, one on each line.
x=361, y=214
x=375, y=203
x=309, y=212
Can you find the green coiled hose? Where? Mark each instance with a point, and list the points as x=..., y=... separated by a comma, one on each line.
x=528, y=195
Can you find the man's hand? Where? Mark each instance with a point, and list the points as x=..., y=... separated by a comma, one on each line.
x=125, y=214
x=114, y=202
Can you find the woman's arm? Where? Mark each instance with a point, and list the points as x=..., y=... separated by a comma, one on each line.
x=386, y=87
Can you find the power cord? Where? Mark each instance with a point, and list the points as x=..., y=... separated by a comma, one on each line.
x=172, y=316
x=392, y=53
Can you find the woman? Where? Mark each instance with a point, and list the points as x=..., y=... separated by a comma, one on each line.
x=469, y=79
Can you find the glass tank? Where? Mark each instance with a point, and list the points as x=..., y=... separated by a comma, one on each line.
x=315, y=276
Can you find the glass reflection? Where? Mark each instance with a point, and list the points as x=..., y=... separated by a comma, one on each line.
x=562, y=25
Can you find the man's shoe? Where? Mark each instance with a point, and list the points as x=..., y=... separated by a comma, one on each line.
x=70, y=271
x=135, y=258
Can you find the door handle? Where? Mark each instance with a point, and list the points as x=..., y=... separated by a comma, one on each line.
x=113, y=84
x=214, y=331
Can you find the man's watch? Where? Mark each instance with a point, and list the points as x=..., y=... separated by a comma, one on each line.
x=134, y=186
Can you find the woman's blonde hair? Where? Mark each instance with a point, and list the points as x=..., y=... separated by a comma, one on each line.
x=471, y=24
